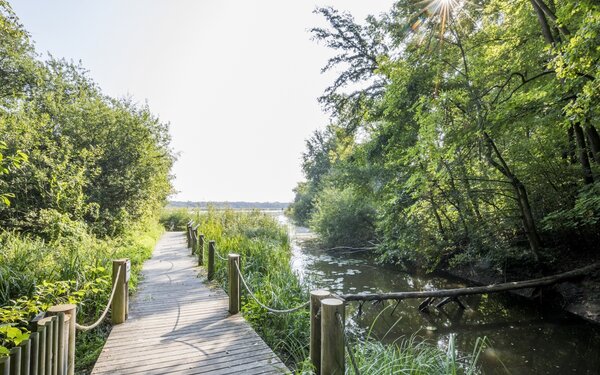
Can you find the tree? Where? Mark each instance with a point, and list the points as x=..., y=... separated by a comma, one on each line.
x=476, y=121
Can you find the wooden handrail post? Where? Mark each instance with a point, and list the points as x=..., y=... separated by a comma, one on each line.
x=25, y=357
x=34, y=356
x=332, y=337
x=68, y=334
x=200, y=250
x=234, y=284
x=211, y=259
x=15, y=361
x=187, y=234
x=194, y=240
x=315, y=327
x=45, y=354
x=120, y=303
x=5, y=365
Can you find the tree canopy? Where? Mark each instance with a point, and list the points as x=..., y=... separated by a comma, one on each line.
x=469, y=128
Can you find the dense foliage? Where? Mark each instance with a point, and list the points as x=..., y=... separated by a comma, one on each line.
x=82, y=179
x=466, y=130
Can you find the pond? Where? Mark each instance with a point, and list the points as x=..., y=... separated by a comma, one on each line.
x=522, y=337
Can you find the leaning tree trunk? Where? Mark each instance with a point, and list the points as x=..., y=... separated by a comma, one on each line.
x=594, y=141
x=584, y=160
x=493, y=288
x=533, y=237
x=569, y=153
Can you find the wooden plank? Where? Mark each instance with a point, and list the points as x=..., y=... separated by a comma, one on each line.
x=179, y=325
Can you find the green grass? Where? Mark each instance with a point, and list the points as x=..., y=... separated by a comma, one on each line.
x=414, y=357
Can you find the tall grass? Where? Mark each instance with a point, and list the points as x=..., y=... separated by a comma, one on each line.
x=265, y=263
x=414, y=357
x=35, y=274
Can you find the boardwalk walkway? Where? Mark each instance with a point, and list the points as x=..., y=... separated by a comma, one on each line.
x=179, y=325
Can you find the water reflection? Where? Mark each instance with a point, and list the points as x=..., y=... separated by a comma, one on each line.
x=523, y=338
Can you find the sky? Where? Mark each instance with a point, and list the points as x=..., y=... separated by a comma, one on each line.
x=237, y=81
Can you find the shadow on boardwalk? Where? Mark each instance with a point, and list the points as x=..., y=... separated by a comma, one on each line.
x=179, y=325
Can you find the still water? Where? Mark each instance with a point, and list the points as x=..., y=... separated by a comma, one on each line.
x=522, y=338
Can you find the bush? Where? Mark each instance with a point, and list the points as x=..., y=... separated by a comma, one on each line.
x=343, y=217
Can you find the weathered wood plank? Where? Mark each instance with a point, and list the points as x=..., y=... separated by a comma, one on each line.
x=179, y=325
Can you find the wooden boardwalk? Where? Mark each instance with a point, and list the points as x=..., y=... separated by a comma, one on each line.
x=179, y=325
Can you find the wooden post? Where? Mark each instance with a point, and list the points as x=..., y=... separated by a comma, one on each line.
x=332, y=337
x=211, y=259
x=195, y=239
x=49, y=345
x=120, y=303
x=194, y=242
x=61, y=341
x=234, y=284
x=25, y=357
x=70, y=312
x=187, y=232
x=315, y=327
x=201, y=250
x=35, y=347
x=15, y=361
x=56, y=334
x=45, y=363
x=41, y=359
x=5, y=365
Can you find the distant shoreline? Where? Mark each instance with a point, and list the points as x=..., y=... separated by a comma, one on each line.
x=232, y=205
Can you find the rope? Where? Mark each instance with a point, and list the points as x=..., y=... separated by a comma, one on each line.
x=219, y=255
x=347, y=345
x=112, y=294
x=269, y=309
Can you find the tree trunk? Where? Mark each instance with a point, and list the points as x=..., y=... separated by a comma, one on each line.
x=527, y=217
x=494, y=288
x=535, y=243
x=546, y=32
x=569, y=154
x=438, y=219
x=583, y=156
x=470, y=196
x=594, y=141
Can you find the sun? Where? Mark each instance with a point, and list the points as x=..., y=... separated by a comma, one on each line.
x=441, y=9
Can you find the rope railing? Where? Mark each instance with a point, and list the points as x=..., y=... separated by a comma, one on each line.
x=219, y=255
x=269, y=309
x=112, y=295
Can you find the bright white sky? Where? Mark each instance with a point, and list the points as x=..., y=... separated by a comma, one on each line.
x=238, y=81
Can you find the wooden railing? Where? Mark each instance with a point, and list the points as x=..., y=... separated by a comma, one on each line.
x=327, y=311
x=50, y=349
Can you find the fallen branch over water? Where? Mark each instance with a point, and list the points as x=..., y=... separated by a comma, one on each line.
x=494, y=288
